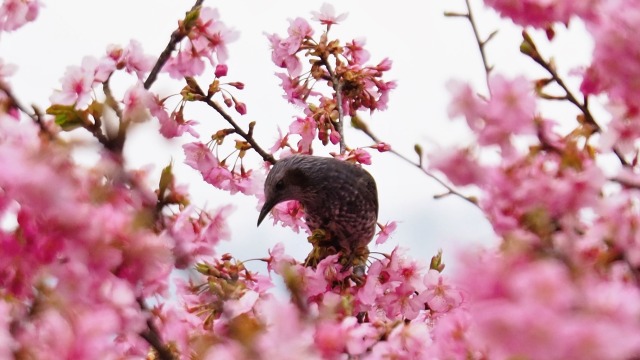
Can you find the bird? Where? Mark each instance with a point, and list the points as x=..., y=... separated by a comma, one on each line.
x=340, y=202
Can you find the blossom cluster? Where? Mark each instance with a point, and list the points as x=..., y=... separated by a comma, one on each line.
x=353, y=84
x=96, y=263
x=565, y=275
x=15, y=13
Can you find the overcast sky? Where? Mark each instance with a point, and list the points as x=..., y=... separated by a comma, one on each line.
x=427, y=49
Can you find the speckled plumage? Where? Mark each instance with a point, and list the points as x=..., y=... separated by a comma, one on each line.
x=338, y=197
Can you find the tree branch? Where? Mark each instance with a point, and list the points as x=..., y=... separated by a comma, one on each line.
x=337, y=87
x=249, y=138
x=36, y=116
x=176, y=37
x=529, y=48
x=193, y=86
x=152, y=336
x=450, y=190
x=476, y=33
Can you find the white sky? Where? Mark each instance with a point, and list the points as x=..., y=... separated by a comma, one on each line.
x=427, y=49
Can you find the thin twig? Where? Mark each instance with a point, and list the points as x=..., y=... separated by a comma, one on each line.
x=36, y=116
x=176, y=38
x=193, y=85
x=116, y=144
x=337, y=87
x=265, y=155
x=96, y=130
x=481, y=43
x=532, y=52
x=450, y=191
x=111, y=100
x=476, y=33
x=152, y=336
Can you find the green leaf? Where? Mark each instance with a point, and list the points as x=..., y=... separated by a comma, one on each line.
x=66, y=116
x=190, y=18
x=166, y=178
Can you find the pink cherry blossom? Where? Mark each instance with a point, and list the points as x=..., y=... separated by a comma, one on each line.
x=306, y=128
x=299, y=30
x=296, y=92
x=136, y=102
x=171, y=125
x=360, y=155
x=214, y=35
x=199, y=157
x=198, y=236
x=135, y=61
x=622, y=132
x=284, y=50
x=327, y=15
x=450, y=334
x=10, y=344
x=613, y=54
x=537, y=309
x=283, y=57
x=385, y=231
x=15, y=13
x=540, y=187
x=460, y=166
x=543, y=13
x=509, y=111
x=355, y=51
x=208, y=39
x=78, y=82
x=288, y=337
x=76, y=87
x=184, y=63
x=440, y=295
x=330, y=339
x=290, y=214
x=244, y=304
x=465, y=102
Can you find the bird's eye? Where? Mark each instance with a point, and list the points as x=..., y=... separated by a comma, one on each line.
x=279, y=185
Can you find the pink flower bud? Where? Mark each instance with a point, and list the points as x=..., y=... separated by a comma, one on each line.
x=334, y=137
x=238, y=85
x=241, y=108
x=221, y=70
x=382, y=147
x=227, y=99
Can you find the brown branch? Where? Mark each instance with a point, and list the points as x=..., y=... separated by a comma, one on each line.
x=176, y=38
x=476, y=33
x=111, y=100
x=450, y=190
x=116, y=144
x=36, y=116
x=152, y=336
x=337, y=87
x=196, y=89
x=529, y=48
x=265, y=155
x=96, y=130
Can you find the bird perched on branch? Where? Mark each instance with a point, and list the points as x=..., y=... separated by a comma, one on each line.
x=340, y=202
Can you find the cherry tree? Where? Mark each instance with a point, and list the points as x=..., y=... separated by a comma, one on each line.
x=98, y=261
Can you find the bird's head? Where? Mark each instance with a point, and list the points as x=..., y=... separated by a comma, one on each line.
x=289, y=179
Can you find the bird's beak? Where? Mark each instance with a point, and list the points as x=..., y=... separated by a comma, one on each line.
x=266, y=208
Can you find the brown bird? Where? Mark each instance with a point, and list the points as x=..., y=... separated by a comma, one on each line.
x=340, y=202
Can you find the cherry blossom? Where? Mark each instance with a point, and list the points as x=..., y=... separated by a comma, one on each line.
x=15, y=13
x=101, y=257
